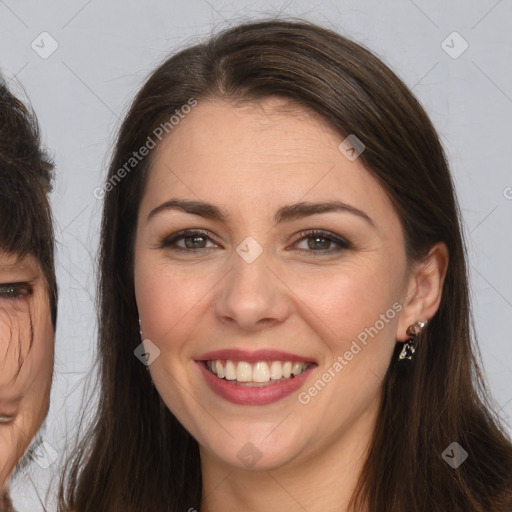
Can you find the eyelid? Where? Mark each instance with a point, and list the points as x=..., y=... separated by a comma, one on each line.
x=324, y=233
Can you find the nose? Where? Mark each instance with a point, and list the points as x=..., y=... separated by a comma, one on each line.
x=251, y=296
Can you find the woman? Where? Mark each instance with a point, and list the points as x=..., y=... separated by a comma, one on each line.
x=28, y=291
x=281, y=232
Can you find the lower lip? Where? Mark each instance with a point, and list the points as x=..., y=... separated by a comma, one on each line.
x=247, y=395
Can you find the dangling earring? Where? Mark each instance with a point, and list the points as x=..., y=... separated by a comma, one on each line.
x=409, y=346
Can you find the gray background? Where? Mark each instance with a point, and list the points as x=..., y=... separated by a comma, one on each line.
x=106, y=49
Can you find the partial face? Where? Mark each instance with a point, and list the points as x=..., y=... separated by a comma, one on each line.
x=26, y=357
x=257, y=286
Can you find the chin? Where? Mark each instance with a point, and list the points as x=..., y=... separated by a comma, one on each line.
x=256, y=452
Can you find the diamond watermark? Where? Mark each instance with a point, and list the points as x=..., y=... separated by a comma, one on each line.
x=147, y=352
x=249, y=455
x=44, y=45
x=249, y=249
x=351, y=147
x=454, y=45
x=44, y=455
x=454, y=455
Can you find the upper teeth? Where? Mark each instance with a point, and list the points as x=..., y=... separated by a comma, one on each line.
x=261, y=371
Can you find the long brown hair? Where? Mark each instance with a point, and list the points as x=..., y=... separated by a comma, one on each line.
x=136, y=456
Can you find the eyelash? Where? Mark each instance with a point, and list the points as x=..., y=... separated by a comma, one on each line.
x=170, y=242
x=13, y=291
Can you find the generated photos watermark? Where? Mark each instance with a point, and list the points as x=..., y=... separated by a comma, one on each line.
x=249, y=455
x=147, y=352
x=343, y=360
x=151, y=142
x=454, y=455
x=351, y=147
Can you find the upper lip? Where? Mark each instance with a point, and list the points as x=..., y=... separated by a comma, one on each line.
x=254, y=356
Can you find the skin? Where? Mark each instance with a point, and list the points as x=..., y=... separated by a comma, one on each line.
x=251, y=160
x=24, y=392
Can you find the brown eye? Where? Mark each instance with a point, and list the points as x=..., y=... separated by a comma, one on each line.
x=322, y=242
x=188, y=240
x=15, y=290
x=319, y=242
x=195, y=242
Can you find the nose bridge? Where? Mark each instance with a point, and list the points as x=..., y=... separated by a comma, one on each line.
x=251, y=295
x=251, y=268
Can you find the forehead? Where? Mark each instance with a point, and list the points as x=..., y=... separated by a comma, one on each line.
x=270, y=132
x=264, y=154
x=14, y=264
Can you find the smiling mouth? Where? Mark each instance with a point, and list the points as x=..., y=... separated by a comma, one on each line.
x=257, y=374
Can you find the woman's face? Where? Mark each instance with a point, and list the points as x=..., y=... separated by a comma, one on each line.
x=26, y=357
x=266, y=279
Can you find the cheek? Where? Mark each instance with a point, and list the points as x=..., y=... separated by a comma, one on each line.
x=344, y=302
x=355, y=311
x=165, y=295
x=34, y=382
x=42, y=355
x=14, y=341
x=36, y=374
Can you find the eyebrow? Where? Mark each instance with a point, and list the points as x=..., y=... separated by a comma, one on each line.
x=284, y=214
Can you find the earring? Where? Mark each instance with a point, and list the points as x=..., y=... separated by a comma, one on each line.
x=409, y=346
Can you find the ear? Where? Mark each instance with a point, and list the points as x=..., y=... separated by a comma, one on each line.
x=424, y=289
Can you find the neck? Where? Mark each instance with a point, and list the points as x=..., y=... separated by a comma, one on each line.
x=324, y=482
